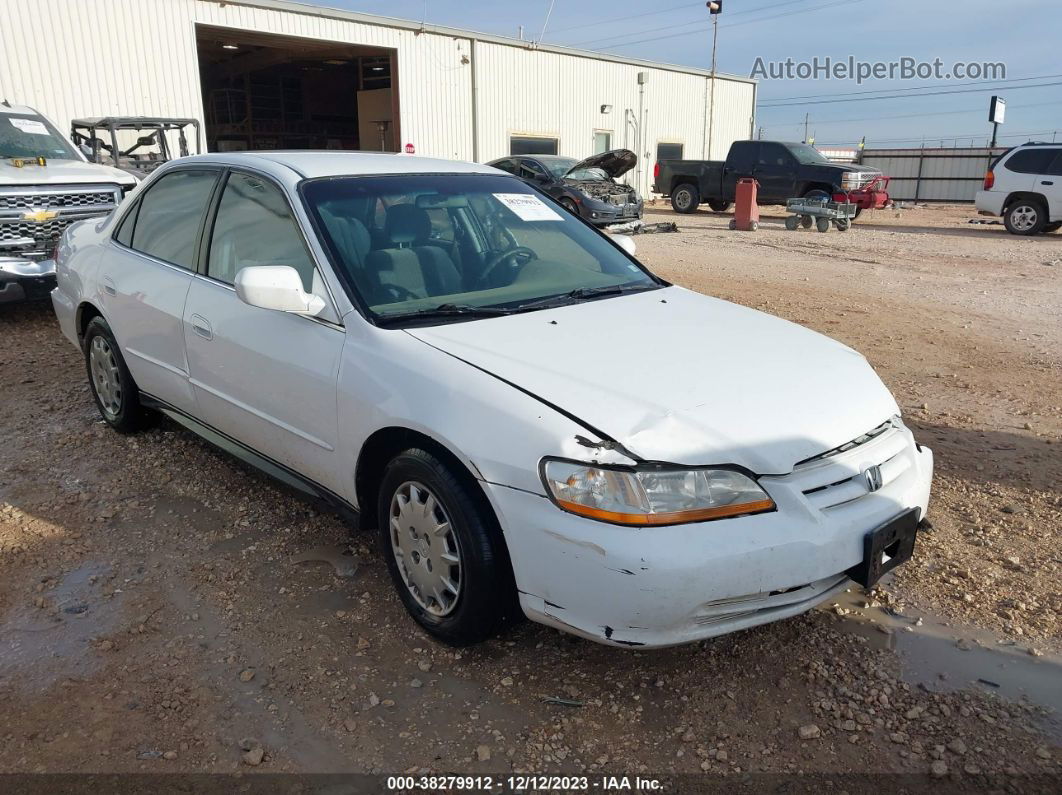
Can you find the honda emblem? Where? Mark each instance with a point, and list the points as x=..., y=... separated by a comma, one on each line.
x=873, y=478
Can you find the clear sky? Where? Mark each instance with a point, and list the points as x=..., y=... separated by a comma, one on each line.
x=1026, y=35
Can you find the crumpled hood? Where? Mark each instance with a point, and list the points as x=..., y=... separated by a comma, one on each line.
x=615, y=162
x=62, y=172
x=680, y=377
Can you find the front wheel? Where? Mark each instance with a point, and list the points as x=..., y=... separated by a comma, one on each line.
x=1025, y=217
x=685, y=198
x=822, y=224
x=112, y=385
x=444, y=550
x=719, y=206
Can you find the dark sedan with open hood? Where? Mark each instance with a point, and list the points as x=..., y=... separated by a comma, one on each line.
x=588, y=188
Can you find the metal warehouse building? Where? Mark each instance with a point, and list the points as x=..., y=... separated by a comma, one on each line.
x=267, y=74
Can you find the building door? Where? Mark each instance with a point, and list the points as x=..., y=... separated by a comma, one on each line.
x=602, y=141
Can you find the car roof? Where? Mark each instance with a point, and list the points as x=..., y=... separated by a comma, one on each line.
x=309, y=164
x=22, y=110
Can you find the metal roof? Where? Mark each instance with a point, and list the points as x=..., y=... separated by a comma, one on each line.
x=422, y=27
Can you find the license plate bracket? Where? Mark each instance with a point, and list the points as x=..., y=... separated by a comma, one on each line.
x=886, y=547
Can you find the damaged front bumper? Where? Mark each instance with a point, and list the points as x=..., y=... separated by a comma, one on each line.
x=664, y=586
x=25, y=280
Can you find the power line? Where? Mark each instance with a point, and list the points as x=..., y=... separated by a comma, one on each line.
x=630, y=16
x=916, y=115
x=912, y=88
x=673, y=25
x=902, y=96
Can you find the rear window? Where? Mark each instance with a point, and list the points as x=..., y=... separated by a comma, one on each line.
x=1031, y=161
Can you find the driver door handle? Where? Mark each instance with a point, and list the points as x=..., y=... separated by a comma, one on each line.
x=201, y=326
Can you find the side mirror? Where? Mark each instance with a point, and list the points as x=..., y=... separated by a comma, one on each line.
x=276, y=287
x=626, y=242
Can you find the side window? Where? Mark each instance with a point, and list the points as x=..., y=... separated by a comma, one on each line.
x=529, y=169
x=506, y=165
x=167, y=222
x=254, y=226
x=1030, y=161
x=124, y=235
x=442, y=225
x=743, y=156
x=774, y=156
x=1054, y=169
x=665, y=151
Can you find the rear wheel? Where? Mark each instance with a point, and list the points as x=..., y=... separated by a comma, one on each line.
x=822, y=224
x=1025, y=217
x=792, y=222
x=719, y=206
x=443, y=549
x=685, y=198
x=568, y=205
x=112, y=385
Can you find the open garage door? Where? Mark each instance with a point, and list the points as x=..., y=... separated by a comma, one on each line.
x=262, y=91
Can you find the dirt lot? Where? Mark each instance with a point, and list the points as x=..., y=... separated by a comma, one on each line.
x=162, y=609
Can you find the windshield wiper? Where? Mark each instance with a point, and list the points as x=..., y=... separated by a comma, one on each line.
x=583, y=293
x=447, y=310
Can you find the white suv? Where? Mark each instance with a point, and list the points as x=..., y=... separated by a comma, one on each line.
x=1024, y=185
x=526, y=415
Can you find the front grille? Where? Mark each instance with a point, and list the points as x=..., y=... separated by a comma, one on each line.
x=837, y=477
x=23, y=237
x=57, y=201
x=738, y=607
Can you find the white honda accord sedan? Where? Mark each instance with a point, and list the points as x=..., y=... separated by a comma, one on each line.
x=531, y=420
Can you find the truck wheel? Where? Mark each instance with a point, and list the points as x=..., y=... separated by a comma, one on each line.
x=719, y=206
x=822, y=224
x=1025, y=217
x=685, y=198
x=792, y=222
x=443, y=549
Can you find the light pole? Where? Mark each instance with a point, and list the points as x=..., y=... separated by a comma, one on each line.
x=715, y=8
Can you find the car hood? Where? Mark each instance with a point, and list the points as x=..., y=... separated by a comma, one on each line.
x=680, y=377
x=62, y=172
x=615, y=163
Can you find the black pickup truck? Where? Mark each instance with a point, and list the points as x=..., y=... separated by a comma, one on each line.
x=783, y=171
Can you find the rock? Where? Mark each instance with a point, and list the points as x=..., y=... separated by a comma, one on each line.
x=424, y=665
x=170, y=755
x=957, y=746
x=374, y=700
x=254, y=757
x=363, y=643
x=938, y=769
x=507, y=681
x=483, y=753
x=1043, y=752
x=898, y=737
x=416, y=683
x=1011, y=508
x=247, y=743
x=350, y=724
x=964, y=644
x=914, y=713
x=810, y=732
x=721, y=756
x=247, y=675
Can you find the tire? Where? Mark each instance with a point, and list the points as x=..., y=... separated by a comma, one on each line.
x=843, y=225
x=569, y=205
x=807, y=221
x=472, y=549
x=113, y=388
x=685, y=198
x=822, y=224
x=754, y=225
x=1025, y=217
x=718, y=205
x=858, y=212
x=1052, y=228
x=732, y=225
x=792, y=222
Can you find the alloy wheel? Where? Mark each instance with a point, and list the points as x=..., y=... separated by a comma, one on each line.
x=425, y=547
x=1023, y=217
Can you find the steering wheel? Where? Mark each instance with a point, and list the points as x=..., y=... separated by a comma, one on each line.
x=502, y=256
x=400, y=293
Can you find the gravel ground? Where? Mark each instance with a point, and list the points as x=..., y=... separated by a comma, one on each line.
x=163, y=609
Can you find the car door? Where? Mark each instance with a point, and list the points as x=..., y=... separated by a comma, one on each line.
x=740, y=163
x=776, y=172
x=1051, y=187
x=264, y=378
x=144, y=279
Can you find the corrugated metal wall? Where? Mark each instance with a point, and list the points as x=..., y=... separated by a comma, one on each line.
x=953, y=175
x=131, y=57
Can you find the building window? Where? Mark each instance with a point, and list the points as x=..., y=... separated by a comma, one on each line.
x=602, y=141
x=668, y=152
x=528, y=145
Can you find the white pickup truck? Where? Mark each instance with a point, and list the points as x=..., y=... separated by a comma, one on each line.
x=46, y=184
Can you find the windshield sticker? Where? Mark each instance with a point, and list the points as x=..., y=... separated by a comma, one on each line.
x=527, y=207
x=31, y=126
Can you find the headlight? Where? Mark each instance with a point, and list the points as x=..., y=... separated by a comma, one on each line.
x=852, y=180
x=652, y=495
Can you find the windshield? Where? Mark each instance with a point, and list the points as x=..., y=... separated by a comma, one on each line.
x=807, y=154
x=32, y=136
x=559, y=168
x=465, y=243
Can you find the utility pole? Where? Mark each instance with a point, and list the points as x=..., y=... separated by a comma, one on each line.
x=759, y=134
x=807, y=117
x=715, y=8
